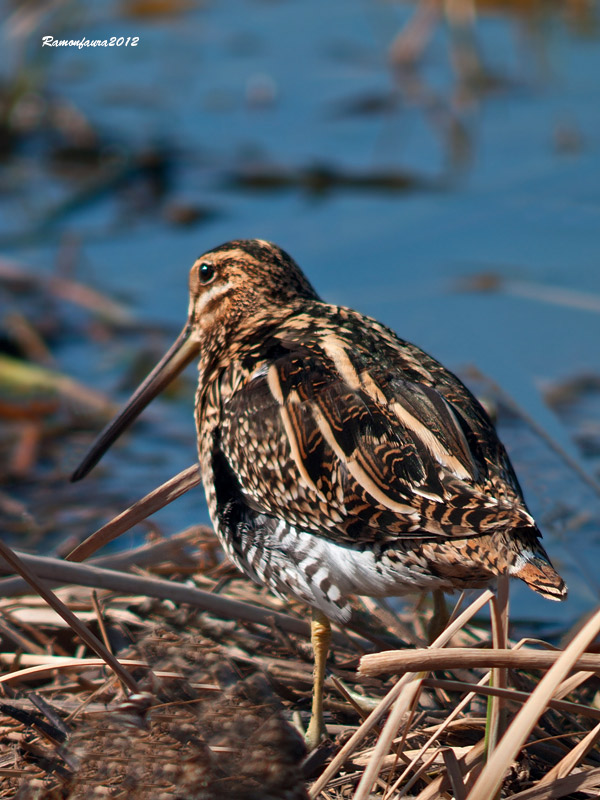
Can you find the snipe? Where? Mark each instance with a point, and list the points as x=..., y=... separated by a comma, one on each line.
x=337, y=459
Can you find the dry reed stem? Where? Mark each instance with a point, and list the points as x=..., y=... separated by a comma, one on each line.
x=54, y=663
x=365, y=756
x=419, y=774
x=406, y=698
x=140, y=510
x=9, y=631
x=440, y=728
x=513, y=695
x=14, y=273
x=374, y=717
x=145, y=555
x=427, y=660
x=100, y=618
x=113, y=580
x=557, y=295
x=496, y=708
x=343, y=690
x=574, y=757
x=436, y=734
x=442, y=782
x=492, y=774
x=573, y=783
x=77, y=626
x=454, y=774
x=378, y=607
x=572, y=683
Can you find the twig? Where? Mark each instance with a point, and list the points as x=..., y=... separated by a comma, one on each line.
x=429, y=660
x=570, y=761
x=149, y=504
x=98, y=577
x=491, y=776
x=561, y=788
x=78, y=627
x=514, y=695
x=496, y=712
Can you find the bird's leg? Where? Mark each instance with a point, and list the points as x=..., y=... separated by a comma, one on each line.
x=440, y=616
x=320, y=637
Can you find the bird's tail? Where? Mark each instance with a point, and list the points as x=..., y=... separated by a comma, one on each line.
x=531, y=564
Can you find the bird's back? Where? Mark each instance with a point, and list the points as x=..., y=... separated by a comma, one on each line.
x=329, y=423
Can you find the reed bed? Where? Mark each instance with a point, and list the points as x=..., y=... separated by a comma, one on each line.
x=210, y=692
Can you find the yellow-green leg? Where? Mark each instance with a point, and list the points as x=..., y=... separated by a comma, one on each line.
x=320, y=637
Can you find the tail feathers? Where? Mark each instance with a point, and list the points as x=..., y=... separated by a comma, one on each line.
x=533, y=566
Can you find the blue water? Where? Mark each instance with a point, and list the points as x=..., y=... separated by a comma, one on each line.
x=233, y=85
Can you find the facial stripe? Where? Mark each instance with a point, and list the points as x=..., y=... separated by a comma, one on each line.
x=201, y=304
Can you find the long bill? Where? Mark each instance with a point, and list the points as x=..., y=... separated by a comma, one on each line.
x=179, y=355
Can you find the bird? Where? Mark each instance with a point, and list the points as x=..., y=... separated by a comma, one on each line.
x=337, y=459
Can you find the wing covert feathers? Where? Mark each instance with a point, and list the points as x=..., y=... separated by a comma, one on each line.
x=363, y=439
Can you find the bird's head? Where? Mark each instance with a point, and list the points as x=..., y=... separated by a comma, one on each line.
x=242, y=283
x=234, y=289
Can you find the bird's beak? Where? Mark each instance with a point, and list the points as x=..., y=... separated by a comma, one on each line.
x=171, y=364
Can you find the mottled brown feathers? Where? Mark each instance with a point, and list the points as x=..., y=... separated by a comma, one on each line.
x=389, y=456
x=332, y=423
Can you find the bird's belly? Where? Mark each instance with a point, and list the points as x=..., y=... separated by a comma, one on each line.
x=321, y=572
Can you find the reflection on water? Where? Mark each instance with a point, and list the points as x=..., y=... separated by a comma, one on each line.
x=404, y=154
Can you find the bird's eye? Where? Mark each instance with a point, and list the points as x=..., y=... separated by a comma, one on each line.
x=206, y=272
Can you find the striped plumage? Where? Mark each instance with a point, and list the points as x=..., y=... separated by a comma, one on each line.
x=338, y=459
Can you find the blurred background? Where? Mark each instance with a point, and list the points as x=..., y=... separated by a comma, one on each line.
x=435, y=164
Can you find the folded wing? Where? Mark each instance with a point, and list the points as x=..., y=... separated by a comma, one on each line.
x=325, y=438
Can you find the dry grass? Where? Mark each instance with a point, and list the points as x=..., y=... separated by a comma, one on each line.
x=216, y=695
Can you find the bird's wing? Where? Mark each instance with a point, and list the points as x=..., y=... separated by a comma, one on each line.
x=357, y=452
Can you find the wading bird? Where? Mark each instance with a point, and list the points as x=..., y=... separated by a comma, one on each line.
x=337, y=459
